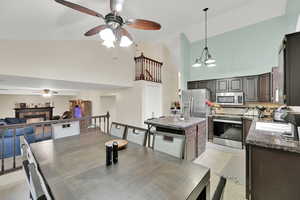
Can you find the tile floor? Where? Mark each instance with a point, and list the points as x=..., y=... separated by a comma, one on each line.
x=227, y=162
x=223, y=161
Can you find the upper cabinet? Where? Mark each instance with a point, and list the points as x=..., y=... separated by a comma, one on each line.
x=205, y=84
x=251, y=89
x=255, y=88
x=229, y=85
x=264, y=94
x=222, y=86
x=235, y=85
x=289, y=70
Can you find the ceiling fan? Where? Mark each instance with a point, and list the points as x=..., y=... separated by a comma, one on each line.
x=112, y=31
x=46, y=92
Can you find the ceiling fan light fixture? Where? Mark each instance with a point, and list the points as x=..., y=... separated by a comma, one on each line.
x=107, y=35
x=125, y=41
x=108, y=44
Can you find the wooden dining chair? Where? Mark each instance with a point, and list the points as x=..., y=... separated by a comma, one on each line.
x=118, y=130
x=218, y=195
x=171, y=144
x=136, y=135
x=36, y=187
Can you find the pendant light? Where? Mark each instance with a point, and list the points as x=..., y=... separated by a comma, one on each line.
x=206, y=58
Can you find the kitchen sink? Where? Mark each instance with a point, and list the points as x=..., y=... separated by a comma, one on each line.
x=274, y=128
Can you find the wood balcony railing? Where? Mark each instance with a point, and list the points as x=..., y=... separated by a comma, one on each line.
x=148, y=69
x=11, y=136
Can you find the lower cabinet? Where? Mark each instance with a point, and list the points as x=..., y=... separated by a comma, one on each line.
x=271, y=174
x=246, y=127
x=210, y=128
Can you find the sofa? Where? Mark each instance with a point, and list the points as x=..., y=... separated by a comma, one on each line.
x=7, y=137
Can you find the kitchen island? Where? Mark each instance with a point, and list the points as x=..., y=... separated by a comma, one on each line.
x=194, y=130
x=272, y=163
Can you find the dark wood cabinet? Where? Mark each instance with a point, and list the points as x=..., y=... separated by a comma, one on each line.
x=271, y=174
x=222, y=86
x=275, y=85
x=211, y=86
x=229, y=85
x=235, y=85
x=251, y=89
x=246, y=127
x=255, y=88
x=205, y=84
x=192, y=85
x=289, y=61
x=210, y=128
x=264, y=87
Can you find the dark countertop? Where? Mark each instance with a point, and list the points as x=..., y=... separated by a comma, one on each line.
x=74, y=168
x=175, y=123
x=267, y=119
x=269, y=139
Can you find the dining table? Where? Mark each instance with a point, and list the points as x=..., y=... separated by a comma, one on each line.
x=74, y=168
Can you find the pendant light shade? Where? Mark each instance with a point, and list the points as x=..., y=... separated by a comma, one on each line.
x=197, y=63
x=206, y=58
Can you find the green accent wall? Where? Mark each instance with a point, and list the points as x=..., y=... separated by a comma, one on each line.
x=247, y=51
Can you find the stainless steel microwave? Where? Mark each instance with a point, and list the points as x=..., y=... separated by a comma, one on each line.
x=230, y=98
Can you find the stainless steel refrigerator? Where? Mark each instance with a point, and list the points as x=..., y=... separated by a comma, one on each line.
x=193, y=102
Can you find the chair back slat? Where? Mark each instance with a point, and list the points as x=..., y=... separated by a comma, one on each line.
x=117, y=130
x=171, y=144
x=136, y=135
x=218, y=195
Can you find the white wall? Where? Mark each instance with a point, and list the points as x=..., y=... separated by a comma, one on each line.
x=83, y=61
x=108, y=103
x=170, y=69
x=129, y=106
x=94, y=97
x=7, y=103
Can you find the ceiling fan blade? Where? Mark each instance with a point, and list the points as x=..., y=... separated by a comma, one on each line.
x=116, y=5
x=95, y=30
x=124, y=32
x=143, y=24
x=80, y=8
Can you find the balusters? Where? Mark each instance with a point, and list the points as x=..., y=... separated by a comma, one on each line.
x=14, y=148
x=148, y=69
x=2, y=152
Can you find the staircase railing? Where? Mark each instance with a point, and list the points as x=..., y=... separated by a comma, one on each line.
x=148, y=69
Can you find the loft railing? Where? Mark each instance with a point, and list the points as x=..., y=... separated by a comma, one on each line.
x=11, y=137
x=148, y=69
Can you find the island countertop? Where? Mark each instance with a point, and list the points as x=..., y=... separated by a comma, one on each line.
x=174, y=122
x=269, y=139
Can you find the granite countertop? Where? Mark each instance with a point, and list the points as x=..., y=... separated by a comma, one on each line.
x=174, y=122
x=250, y=117
x=269, y=139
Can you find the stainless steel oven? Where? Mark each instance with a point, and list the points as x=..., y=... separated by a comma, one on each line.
x=230, y=98
x=228, y=131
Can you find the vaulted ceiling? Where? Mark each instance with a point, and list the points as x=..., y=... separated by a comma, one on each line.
x=47, y=20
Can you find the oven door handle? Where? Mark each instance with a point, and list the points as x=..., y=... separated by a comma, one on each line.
x=227, y=121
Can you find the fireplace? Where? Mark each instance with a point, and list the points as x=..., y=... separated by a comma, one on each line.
x=34, y=114
x=35, y=118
